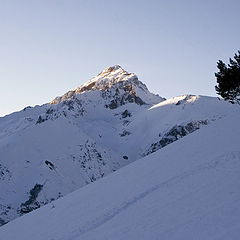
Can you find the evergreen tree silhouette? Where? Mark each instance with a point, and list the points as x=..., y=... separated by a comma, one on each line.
x=228, y=79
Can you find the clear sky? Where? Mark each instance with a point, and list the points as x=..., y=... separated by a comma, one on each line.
x=48, y=47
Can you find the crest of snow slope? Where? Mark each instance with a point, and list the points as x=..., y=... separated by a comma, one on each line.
x=187, y=190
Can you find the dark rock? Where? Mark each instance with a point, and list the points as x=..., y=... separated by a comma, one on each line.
x=49, y=111
x=31, y=203
x=125, y=133
x=174, y=134
x=49, y=164
x=2, y=222
x=40, y=120
x=126, y=113
x=113, y=104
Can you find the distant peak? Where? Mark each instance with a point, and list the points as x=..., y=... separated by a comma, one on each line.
x=104, y=80
x=112, y=68
x=110, y=77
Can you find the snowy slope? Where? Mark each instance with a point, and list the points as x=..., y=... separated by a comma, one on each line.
x=48, y=151
x=187, y=190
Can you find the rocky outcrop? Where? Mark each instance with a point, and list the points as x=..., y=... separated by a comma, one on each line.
x=174, y=134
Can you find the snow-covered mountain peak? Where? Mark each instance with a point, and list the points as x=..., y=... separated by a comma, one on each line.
x=112, y=69
x=117, y=82
x=108, y=77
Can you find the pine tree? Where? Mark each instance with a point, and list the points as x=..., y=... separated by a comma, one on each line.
x=228, y=79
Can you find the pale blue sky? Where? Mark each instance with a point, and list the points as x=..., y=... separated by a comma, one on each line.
x=48, y=47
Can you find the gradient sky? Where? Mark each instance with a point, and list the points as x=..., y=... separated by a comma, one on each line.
x=48, y=47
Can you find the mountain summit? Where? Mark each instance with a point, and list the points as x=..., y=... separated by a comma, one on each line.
x=108, y=77
x=124, y=86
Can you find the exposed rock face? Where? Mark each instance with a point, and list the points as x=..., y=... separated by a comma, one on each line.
x=174, y=134
x=32, y=202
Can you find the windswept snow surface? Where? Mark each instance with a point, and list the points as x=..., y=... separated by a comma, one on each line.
x=187, y=190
